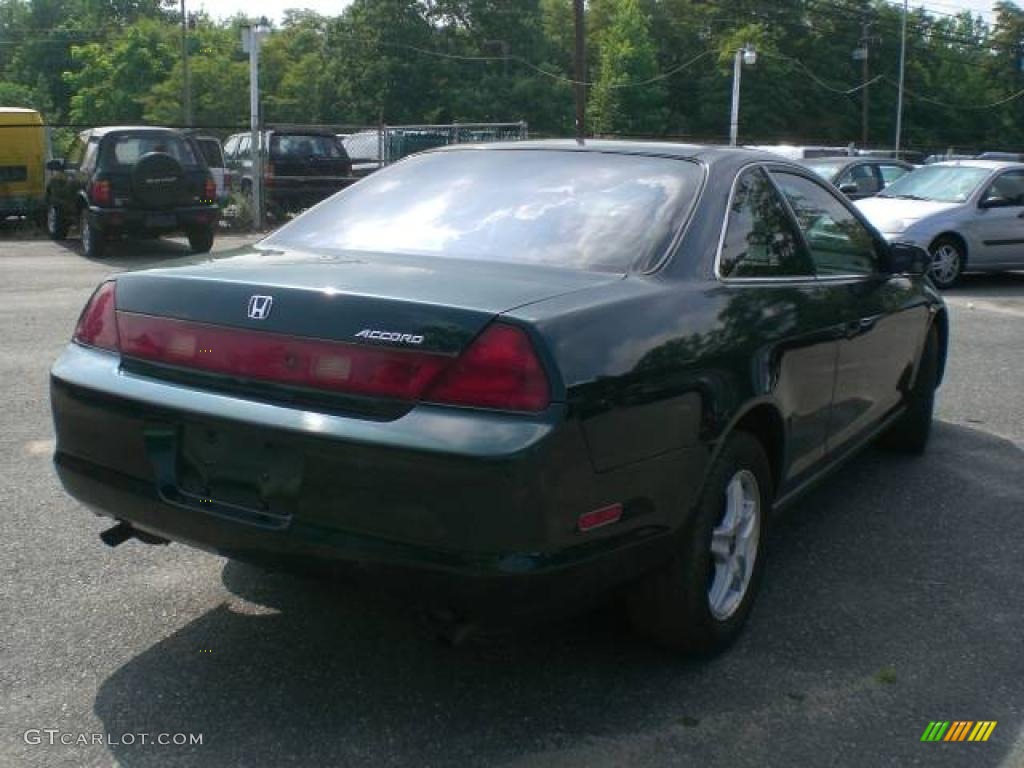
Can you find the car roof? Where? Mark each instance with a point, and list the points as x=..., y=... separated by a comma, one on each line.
x=131, y=128
x=992, y=165
x=706, y=153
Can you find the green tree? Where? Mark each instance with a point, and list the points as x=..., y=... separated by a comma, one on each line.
x=628, y=97
x=110, y=80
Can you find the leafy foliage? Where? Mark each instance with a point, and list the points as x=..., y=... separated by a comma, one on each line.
x=658, y=67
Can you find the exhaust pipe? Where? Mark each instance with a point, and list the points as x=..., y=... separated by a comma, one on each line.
x=123, y=531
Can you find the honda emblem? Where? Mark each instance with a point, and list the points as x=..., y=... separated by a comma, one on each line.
x=259, y=307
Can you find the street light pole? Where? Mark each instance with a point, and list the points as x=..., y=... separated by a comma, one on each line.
x=745, y=55
x=251, y=37
x=903, y=67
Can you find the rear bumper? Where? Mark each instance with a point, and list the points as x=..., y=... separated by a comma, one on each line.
x=142, y=220
x=469, y=510
x=301, y=189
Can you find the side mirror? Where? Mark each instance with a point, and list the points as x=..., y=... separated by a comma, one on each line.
x=57, y=164
x=849, y=189
x=908, y=259
x=994, y=201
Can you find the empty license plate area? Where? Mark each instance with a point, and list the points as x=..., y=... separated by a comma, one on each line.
x=239, y=467
x=161, y=220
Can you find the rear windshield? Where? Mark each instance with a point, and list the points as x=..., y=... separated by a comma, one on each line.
x=304, y=146
x=211, y=152
x=586, y=210
x=126, y=149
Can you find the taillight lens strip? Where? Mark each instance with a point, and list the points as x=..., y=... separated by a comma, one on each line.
x=328, y=365
x=498, y=370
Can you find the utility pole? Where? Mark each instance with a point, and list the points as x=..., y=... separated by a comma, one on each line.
x=903, y=67
x=251, y=37
x=865, y=41
x=581, y=71
x=186, y=99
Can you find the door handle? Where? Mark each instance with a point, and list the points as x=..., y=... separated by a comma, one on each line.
x=1020, y=215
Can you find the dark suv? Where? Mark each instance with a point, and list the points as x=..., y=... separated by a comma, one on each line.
x=300, y=167
x=132, y=180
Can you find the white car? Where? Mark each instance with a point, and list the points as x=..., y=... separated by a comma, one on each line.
x=969, y=214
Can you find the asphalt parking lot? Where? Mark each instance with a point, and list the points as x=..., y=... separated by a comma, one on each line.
x=893, y=598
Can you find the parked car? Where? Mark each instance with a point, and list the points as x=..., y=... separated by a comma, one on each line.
x=858, y=177
x=213, y=154
x=968, y=213
x=300, y=167
x=24, y=149
x=136, y=181
x=911, y=156
x=794, y=152
x=511, y=378
x=1013, y=157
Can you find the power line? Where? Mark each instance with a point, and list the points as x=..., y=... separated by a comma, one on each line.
x=938, y=103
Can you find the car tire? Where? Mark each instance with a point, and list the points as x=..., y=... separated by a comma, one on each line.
x=697, y=603
x=200, y=239
x=948, y=261
x=56, y=224
x=911, y=431
x=94, y=243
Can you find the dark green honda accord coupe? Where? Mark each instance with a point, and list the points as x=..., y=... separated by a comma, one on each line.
x=511, y=379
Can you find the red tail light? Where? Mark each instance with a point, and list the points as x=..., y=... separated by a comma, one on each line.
x=500, y=369
x=209, y=190
x=101, y=193
x=97, y=325
x=329, y=365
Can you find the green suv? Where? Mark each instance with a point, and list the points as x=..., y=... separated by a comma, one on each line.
x=135, y=181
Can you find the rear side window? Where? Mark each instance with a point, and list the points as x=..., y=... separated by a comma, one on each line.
x=839, y=243
x=211, y=152
x=305, y=146
x=126, y=149
x=584, y=210
x=760, y=239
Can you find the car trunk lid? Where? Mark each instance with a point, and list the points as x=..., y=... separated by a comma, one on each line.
x=422, y=310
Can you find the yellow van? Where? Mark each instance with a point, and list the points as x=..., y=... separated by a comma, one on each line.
x=23, y=154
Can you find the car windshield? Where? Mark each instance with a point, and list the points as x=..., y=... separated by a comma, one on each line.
x=304, y=146
x=827, y=170
x=938, y=183
x=584, y=210
x=128, y=148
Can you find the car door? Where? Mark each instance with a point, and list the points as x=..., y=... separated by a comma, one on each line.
x=776, y=304
x=999, y=222
x=883, y=316
x=68, y=183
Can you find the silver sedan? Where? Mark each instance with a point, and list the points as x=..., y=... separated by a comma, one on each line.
x=969, y=214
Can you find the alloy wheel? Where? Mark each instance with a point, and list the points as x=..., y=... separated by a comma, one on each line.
x=734, y=545
x=945, y=264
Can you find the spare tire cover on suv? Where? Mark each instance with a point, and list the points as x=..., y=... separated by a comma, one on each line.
x=158, y=180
